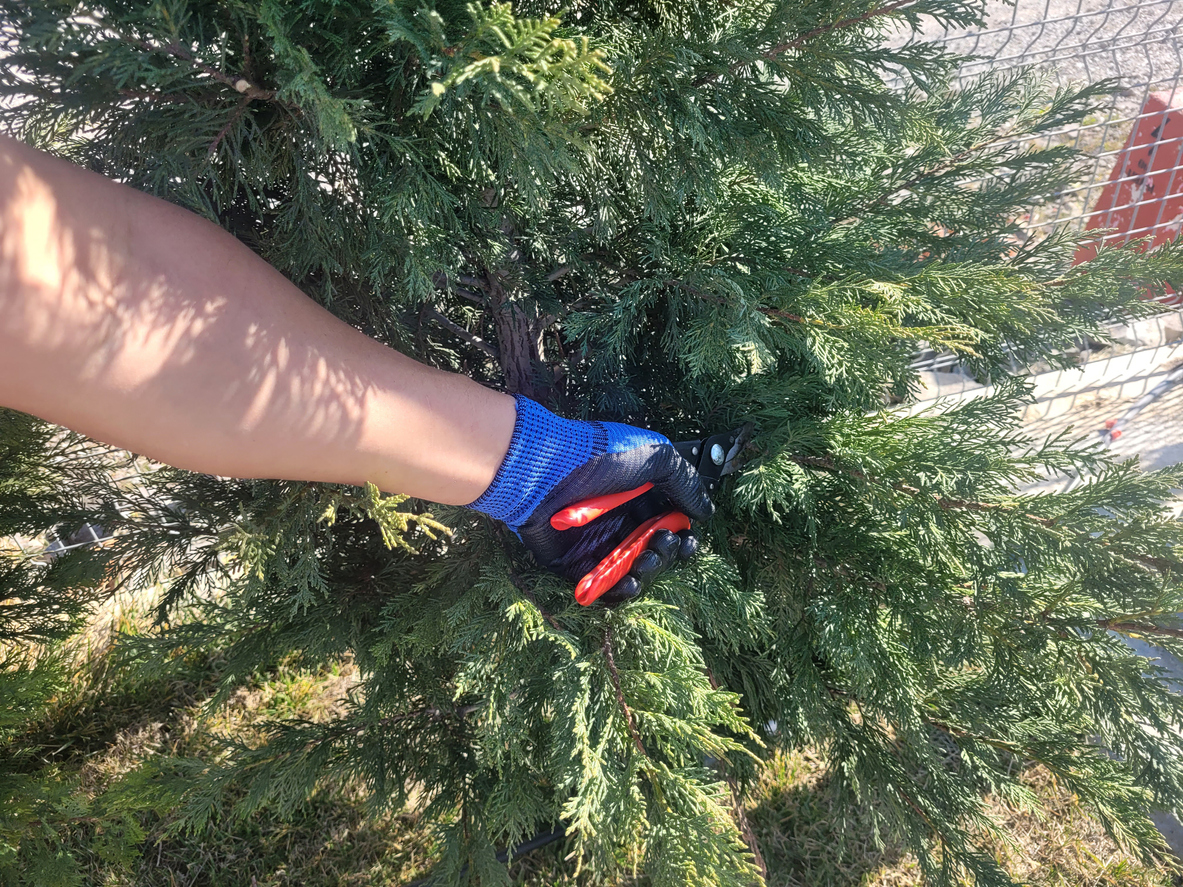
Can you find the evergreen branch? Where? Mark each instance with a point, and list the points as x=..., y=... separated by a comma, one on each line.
x=171, y=98
x=946, y=165
x=797, y=318
x=771, y=312
x=520, y=584
x=1162, y=564
x=742, y=822
x=768, y=312
x=892, y=743
x=65, y=820
x=628, y=712
x=431, y=713
x=827, y=464
x=841, y=24
x=741, y=816
x=999, y=744
x=842, y=571
x=462, y=333
x=520, y=61
x=919, y=812
x=685, y=287
x=338, y=729
x=238, y=111
x=971, y=505
x=780, y=49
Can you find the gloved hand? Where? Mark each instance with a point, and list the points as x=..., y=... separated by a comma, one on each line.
x=554, y=462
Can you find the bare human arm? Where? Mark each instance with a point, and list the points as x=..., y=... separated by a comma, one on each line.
x=142, y=325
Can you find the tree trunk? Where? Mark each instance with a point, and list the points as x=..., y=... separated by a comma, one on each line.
x=519, y=341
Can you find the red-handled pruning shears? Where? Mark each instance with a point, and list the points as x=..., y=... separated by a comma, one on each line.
x=713, y=457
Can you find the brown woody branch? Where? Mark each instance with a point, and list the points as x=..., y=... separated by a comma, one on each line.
x=461, y=332
x=65, y=820
x=768, y=312
x=224, y=131
x=1126, y=627
x=842, y=571
x=628, y=712
x=520, y=584
x=1163, y=565
x=797, y=318
x=741, y=816
x=149, y=95
x=826, y=464
x=977, y=737
x=835, y=26
x=430, y=713
x=946, y=165
x=239, y=84
x=443, y=281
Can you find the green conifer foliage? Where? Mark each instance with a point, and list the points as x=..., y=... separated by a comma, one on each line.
x=684, y=216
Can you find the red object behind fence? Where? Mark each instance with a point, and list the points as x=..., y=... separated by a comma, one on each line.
x=1144, y=194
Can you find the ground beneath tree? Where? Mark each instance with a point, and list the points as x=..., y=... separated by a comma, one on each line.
x=116, y=715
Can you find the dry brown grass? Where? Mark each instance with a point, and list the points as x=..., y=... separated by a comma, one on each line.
x=1064, y=847
x=808, y=841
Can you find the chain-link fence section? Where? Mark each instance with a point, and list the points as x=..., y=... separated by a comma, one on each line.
x=1084, y=41
x=1128, y=394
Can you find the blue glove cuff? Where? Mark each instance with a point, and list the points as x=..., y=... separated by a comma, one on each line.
x=544, y=449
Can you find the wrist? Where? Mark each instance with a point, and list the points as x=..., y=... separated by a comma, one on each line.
x=427, y=433
x=543, y=449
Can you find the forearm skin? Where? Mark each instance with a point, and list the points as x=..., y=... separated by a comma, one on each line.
x=142, y=325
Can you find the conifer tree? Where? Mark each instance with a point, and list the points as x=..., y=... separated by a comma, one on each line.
x=685, y=216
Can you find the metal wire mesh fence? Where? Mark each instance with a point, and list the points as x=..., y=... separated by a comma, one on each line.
x=124, y=470
x=1137, y=43
x=1084, y=41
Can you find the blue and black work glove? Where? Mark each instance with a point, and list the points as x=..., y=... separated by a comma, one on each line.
x=603, y=504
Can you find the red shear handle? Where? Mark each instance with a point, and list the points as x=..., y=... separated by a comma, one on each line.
x=616, y=565
x=589, y=509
